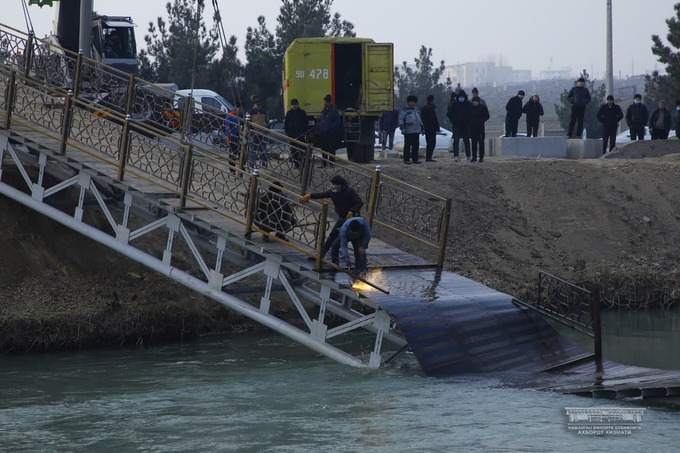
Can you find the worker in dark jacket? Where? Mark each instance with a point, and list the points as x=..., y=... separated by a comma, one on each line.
x=609, y=115
x=388, y=126
x=637, y=116
x=295, y=124
x=479, y=114
x=579, y=97
x=330, y=128
x=428, y=115
x=347, y=204
x=660, y=122
x=458, y=113
x=513, y=112
x=533, y=111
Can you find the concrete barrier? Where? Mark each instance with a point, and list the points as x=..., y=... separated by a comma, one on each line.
x=584, y=149
x=530, y=147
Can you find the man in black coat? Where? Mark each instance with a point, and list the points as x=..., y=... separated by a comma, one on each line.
x=479, y=114
x=296, y=124
x=660, y=122
x=513, y=113
x=609, y=115
x=579, y=97
x=428, y=116
x=533, y=111
x=459, y=111
x=637, y=116
x=347, y=204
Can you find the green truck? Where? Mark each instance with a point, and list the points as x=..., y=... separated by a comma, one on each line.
x=359, y=75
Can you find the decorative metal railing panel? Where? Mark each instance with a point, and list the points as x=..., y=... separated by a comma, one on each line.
x=565, y=300
x=37, y=104
x=95, y=131
x=164, y=160
x=409, y=210
x=211, y=182
x=110, y=111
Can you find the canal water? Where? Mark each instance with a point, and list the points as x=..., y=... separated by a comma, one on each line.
x=262, y=393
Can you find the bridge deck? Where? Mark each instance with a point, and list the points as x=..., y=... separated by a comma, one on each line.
x=452, y=324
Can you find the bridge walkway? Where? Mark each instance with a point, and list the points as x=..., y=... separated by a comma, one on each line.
x=184, y=185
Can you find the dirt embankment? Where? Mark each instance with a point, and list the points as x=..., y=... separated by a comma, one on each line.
x=607, y=223
x=610, y=223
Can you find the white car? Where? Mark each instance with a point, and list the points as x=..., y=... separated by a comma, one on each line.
x=442, y=143
x=624, y=137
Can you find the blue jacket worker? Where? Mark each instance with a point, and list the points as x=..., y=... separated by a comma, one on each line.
x=357, y=231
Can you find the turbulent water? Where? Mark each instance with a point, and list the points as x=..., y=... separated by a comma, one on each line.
x=262, y=393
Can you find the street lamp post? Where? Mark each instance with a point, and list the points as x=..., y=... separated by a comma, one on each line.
x=609, y=73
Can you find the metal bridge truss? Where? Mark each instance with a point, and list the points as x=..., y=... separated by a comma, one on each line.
x=130, y=219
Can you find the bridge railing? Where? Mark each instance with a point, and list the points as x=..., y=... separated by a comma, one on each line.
x=135, y=127
x=571, y=305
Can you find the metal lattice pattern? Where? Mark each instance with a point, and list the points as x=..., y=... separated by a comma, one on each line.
x=52, y=65
x=210, y=182
x=163, y=126
x=12, y=50
x=95, y=131
x=37, y=105
x=162, y=160
x=565, y=300
x=408, y=211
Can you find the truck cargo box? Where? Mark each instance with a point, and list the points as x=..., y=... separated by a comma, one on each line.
x=357, y=72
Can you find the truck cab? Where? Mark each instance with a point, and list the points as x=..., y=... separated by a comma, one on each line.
x=113, y=41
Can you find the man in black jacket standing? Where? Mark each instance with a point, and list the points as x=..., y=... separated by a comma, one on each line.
x=637, y=116
x=295, y=124
x=458, y=111
x=579, y=97
x=533, y=111
x=347, y=204
x=660, y=122
x=513, y=113
x=609, y=115
x=428, y=116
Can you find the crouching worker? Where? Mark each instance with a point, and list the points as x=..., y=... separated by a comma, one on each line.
x=357, y=231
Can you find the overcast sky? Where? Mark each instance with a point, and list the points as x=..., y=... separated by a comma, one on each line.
x=525, y=34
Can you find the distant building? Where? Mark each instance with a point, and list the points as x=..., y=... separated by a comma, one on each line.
x=484, y=74
x=553, y=74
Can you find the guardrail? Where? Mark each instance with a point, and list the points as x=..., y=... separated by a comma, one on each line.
x=133, y=125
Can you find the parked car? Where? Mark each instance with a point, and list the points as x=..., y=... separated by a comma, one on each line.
x=624, y=137
x=210, y=119
x=442, y=142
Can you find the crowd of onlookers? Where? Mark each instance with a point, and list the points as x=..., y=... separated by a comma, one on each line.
x=468, y=115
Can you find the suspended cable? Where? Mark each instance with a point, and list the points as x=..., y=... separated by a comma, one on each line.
x=27, y=17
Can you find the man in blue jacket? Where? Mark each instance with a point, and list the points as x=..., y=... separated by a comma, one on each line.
x=357, y=231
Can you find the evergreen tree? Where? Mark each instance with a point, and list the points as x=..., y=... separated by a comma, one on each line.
x=264, y=50
x=666, y=86
x=181, y=49
x=590, y=123
x=421, y=80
